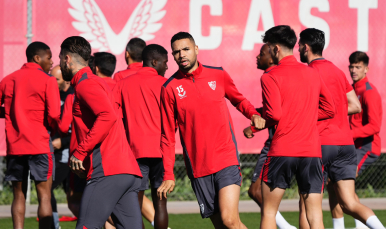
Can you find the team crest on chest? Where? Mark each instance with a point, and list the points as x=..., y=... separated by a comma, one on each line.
x=212, y=84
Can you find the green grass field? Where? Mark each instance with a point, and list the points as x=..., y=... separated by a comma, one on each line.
x=194, y=221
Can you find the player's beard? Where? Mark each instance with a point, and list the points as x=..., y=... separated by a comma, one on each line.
x=303, y=57
x=66, y=72
x=189, y=66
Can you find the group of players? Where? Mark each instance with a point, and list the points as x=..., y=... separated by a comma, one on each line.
x=123, y=132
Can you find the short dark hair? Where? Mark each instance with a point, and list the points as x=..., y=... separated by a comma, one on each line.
x=180, y=36
x=34, y=48
x=135, y=47
x=281, y=34
x=313, y=38
x=106, y=62
x=152, y=52
x=359, y=56
x=77, y=45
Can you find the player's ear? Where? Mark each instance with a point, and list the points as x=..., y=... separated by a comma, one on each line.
x=196, y=49
x=36, y=59
x=366, y=68
x=127, y=55
x=154, y=62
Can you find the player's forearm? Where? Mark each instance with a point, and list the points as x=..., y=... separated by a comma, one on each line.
x=168, y=159
x=366, y=131
x=247, y=109
x=97, y=133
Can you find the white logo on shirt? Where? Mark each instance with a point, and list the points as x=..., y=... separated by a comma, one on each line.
x=212, y=84
x=181, y=92
x=202, y=208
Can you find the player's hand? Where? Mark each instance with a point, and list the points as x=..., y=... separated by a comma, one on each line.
x=166, y=187
x=258, y=122
x=248, y=132
x=76, y=166
x=57, y=143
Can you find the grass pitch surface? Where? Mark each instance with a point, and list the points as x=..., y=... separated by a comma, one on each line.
x=194, y=221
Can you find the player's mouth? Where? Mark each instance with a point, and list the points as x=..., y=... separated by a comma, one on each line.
x=184, y=62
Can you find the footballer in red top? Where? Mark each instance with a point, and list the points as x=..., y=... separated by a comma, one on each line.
x=138, y=97
x=32, y=110
x=264, y=62
x=195, y=97
x=103, y=152
x=104, y=67
x=294, y=98
x=133, y=58
x=338, y=151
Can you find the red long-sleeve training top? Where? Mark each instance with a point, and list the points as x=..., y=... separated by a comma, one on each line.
x=102, y=145
x=366, y=125
x=334, y=131
x=34, y=111
x=110, y=82
x=138, y=97
x=294, y=98
x=131, y=69
x=6, y=94
x=197, y=101
x=67, y=122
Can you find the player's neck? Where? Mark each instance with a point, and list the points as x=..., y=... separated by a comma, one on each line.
x=284, y=53
x=311, y=57
x=65, y=87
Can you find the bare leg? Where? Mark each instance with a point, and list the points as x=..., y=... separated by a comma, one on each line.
x=73, y=201
x=18, y=203
x=148, y=209
x=313, y=207
x=161, y=218
x=348, y=200
x=303, y=222
x=254, y=192
x=336, y=210
x=43, y=189
x=271, y=202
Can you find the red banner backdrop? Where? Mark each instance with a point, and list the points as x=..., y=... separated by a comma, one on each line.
x=228, y=34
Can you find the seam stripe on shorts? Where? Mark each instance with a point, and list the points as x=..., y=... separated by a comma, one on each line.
x=50, y=165
x=323, y=177
x=363, y=160
x=265, y=168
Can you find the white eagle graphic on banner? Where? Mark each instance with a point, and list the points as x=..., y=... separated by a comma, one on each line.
x=91, y=22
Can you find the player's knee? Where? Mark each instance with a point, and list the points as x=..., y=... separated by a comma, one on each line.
x=230, y=222
x=255, y=193
x=348, y=207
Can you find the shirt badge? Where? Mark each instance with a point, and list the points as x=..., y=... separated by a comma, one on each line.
x=212, y=84
x=181, y=92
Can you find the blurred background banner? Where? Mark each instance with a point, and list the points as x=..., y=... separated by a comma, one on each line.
x=228, y=34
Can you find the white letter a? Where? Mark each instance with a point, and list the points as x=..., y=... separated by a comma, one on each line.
x=259, y=8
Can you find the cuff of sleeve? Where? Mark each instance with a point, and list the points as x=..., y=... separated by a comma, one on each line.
x=255, y=113
x=79, y=155
x=168, y=177
x=254, y=129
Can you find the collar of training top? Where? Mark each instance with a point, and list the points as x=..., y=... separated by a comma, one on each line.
x=31, y=65
x=196, y=73
x=134, y=66
x=269, y=69
x=147, y=70
x=361, y=82
x=79, y=75
x=288, y=59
